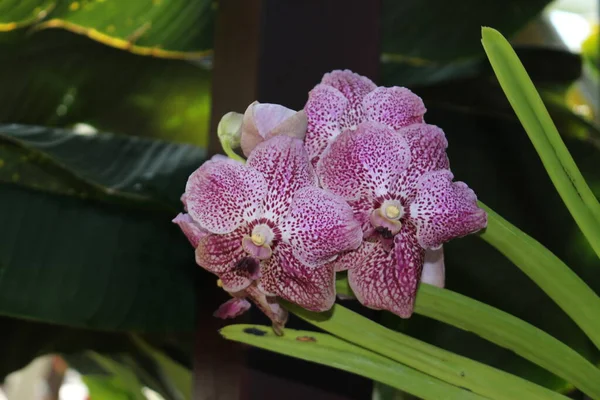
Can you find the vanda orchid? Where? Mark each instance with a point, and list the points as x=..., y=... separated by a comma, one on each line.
x=385, y=205
x=266, y=229
x=371, y=146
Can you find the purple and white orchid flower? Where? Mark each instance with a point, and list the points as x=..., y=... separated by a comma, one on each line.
x=371, y=146
x=267, y=230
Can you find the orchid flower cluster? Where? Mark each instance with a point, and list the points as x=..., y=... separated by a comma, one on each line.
x=356, y=181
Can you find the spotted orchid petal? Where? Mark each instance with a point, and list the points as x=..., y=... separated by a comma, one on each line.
x=388, y=280
x=283, y=162
x=324, y=110
x=220, y=195
x=287, y=277
x=443, y=209
x=354, y=87
x=232, y=308
x=224, y=256
x=365, y=162
x=427, y=144
x=434, y=269
x=395, y=107
x=319, y=226
x=263, y=121
x=191, y=229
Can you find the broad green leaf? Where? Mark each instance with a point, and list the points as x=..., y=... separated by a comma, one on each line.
x=529, y=107
x=329, y=350
x=95, y=261
x=54, y=78
x=449, y=367
x=170, y=29
x=437, y=31
x=16, y=14
x=110, y=387
x=504, y=330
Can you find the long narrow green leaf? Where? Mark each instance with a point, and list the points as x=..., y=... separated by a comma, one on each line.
x=504, y=330
x=452, y=368
x=551, y=274
x=329, y=350
x=529, y=107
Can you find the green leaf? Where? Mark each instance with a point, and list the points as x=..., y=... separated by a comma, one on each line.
x=16, y=14
x=532, y=113
x=84, y=257
x=552, y=275
x=431, y=31
x=170, y=29
x=54, y=78
x=504, y=330
x=449, y=367
x=328, y=350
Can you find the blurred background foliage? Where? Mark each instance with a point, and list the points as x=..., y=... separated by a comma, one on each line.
x=88, y=254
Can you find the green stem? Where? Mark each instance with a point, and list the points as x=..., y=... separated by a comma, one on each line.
x=551, y=274
x=452, y=368
x=229, y=151
x=529, y=107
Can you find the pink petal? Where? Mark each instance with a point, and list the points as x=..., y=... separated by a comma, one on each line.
x=443, y=209
x=395, y=107
x=221, y=194
x=285, y=276
x=385, y=280
x=427, y=145
x=319, y=226
x=232, y=308
x=283, y=162
x=434, y=270
x=354, y=88
x=224, y=256
x=259, y=120
x=295, y=126
x=365, y=162
x=324, y=110
x=191, y=229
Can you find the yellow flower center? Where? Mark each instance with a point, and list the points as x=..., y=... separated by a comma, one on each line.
x=392, y=212
x=258, y=239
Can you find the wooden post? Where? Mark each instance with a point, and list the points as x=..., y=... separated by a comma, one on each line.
x=275, y=51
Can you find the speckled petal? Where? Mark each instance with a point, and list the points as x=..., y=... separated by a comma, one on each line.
x=364, y=162
x=434, y=269
x=395, y=107
x=191, y=229
x=220, y=253
x=427, y=145
x=283, y=162
x=323, y=110
x=388, y=280
x=320, y=225
x=443, y=209
x=221, y=194
x=285, y=276
x=354, y=87
x=259, y=120
x=232, y=308
x=270, y=307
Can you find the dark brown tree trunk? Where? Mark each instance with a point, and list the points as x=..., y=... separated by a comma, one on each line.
x=275, y=51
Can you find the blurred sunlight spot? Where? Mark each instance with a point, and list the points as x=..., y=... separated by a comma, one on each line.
x=73, y=387
x=84, y=129
x=572, y=28
x=151, y=394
